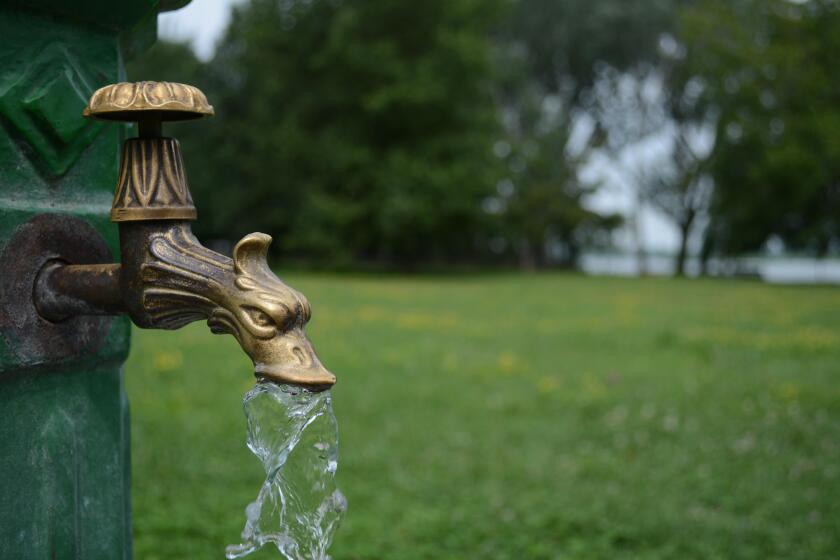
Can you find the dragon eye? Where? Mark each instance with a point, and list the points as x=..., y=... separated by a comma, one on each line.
x=259, y=317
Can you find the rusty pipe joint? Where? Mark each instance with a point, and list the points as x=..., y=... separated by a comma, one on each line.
x=167, y=278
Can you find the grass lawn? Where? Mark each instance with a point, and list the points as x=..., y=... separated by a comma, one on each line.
x=515, y=417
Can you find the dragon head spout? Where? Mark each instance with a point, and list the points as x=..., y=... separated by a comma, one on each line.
x=268, y=317
x=182, y=281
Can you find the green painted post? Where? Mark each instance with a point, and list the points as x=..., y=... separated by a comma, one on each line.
x=64, y=433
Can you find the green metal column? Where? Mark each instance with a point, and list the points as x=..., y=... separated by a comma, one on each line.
x=64, y=433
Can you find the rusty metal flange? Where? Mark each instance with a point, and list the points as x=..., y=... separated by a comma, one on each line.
x=30, y=337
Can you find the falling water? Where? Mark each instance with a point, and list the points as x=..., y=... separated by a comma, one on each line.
x=294, y=433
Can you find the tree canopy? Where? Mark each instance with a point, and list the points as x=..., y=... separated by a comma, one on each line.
x=770, y=69
x=442, y=131
x=353, y=130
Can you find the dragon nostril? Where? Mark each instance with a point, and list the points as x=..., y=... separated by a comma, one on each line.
x=298, y=353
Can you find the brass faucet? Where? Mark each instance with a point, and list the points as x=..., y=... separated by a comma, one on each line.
x=166, y=278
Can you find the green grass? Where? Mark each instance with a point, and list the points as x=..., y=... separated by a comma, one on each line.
x=512, y=417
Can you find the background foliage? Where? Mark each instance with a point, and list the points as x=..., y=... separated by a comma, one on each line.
x=769, y=67
x=518, y=416
x=455, y=131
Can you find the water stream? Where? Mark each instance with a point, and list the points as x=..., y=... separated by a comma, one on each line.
x=294, y=433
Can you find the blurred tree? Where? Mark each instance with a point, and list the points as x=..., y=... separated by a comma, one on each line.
x=167, y=61
x=682, y=187
x=770, y=66
x=679, y=184
x=362, y=131
x=657, y=103
x=564, y=45
x=552, y=55
x=629, y=111
x=539, y=202
x=354, y=130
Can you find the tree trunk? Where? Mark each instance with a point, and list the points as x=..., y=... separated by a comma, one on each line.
x=823, y=245
x=538, y=249
x=682, y=255
x=527, y=260
x=641, y=257
x=573, y=254
x=705, y=255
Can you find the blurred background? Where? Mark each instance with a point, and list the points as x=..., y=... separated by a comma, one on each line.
x=492, y=206
x=691, y=137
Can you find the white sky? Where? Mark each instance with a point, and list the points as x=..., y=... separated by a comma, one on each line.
x=202, y=22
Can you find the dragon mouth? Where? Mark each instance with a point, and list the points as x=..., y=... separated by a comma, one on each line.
x=312, y=378
x=290, y=358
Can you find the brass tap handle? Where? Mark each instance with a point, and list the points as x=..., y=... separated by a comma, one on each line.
x=148, y=104
x=152, y=183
